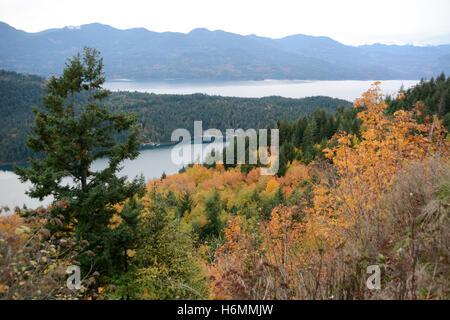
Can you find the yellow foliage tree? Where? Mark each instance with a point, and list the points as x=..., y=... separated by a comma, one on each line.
x=272, y=185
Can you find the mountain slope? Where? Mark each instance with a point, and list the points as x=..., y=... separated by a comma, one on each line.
x=215, y=55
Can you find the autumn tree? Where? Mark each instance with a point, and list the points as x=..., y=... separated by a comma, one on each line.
x=259, y=262
x=33, y=262
x=381, y=199
x=347, y=227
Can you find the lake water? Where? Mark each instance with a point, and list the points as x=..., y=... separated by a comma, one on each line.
x=348, y=90
x=153, y=162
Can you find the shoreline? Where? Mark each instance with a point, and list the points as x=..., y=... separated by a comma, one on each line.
x=144, y=146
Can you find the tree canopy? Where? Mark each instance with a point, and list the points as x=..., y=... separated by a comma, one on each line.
x=70, y=138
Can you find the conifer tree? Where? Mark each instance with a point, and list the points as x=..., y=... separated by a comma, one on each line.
x=71, y=131
x=213, y=228
x=184, y=204
x=166, y=261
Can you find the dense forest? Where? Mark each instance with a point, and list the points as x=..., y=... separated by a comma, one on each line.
x=305, y=139
x=318, y=117
x=433, y=94
x=213, y=233
x=18, y=93
x=366, y=186
x=158, y=115
x=302, y=139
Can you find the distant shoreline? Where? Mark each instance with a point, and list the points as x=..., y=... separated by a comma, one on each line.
x=144, y=146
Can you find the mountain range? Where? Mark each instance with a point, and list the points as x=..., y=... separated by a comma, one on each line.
x=201, y=54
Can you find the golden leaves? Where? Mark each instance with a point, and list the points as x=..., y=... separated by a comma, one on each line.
x=272, y=185
x=365, y=167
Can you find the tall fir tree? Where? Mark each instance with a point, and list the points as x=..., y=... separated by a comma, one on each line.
x=71, y=131
x=122, y=246
x=213, y=228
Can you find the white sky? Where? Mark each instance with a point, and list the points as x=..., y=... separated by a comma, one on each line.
x=348, y=21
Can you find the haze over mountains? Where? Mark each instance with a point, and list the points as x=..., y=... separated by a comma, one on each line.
x=216, y=55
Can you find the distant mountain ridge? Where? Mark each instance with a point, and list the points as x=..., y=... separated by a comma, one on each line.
x=216, y=55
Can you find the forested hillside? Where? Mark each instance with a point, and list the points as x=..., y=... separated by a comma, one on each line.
x=305, y=139
x=159, y=115
x=433, y=94
x=316, y=117
x=275, y=199
x=18, y=93
x=377, y=198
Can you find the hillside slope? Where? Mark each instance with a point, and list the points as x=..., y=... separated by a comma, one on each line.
x=159, y=115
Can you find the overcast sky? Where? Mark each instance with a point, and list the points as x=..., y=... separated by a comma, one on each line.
x=352, y=22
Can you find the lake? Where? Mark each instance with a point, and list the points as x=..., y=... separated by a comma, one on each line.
x=153, y=162
x=347, y=90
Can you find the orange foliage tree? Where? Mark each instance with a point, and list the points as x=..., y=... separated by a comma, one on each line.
x=348, y=217
x=325, y=254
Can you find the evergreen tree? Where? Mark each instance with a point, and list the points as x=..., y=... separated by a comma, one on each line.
x=309, y=139
x=279, y=197
x=124, y=236
x=213, y=227
x=122, y=245
x=310, y=134
x=300, y=127
x=71, y=136
x=287, y=154
x=285, y=130
x=171, y=200
x=166, y=261
x=184, y=204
